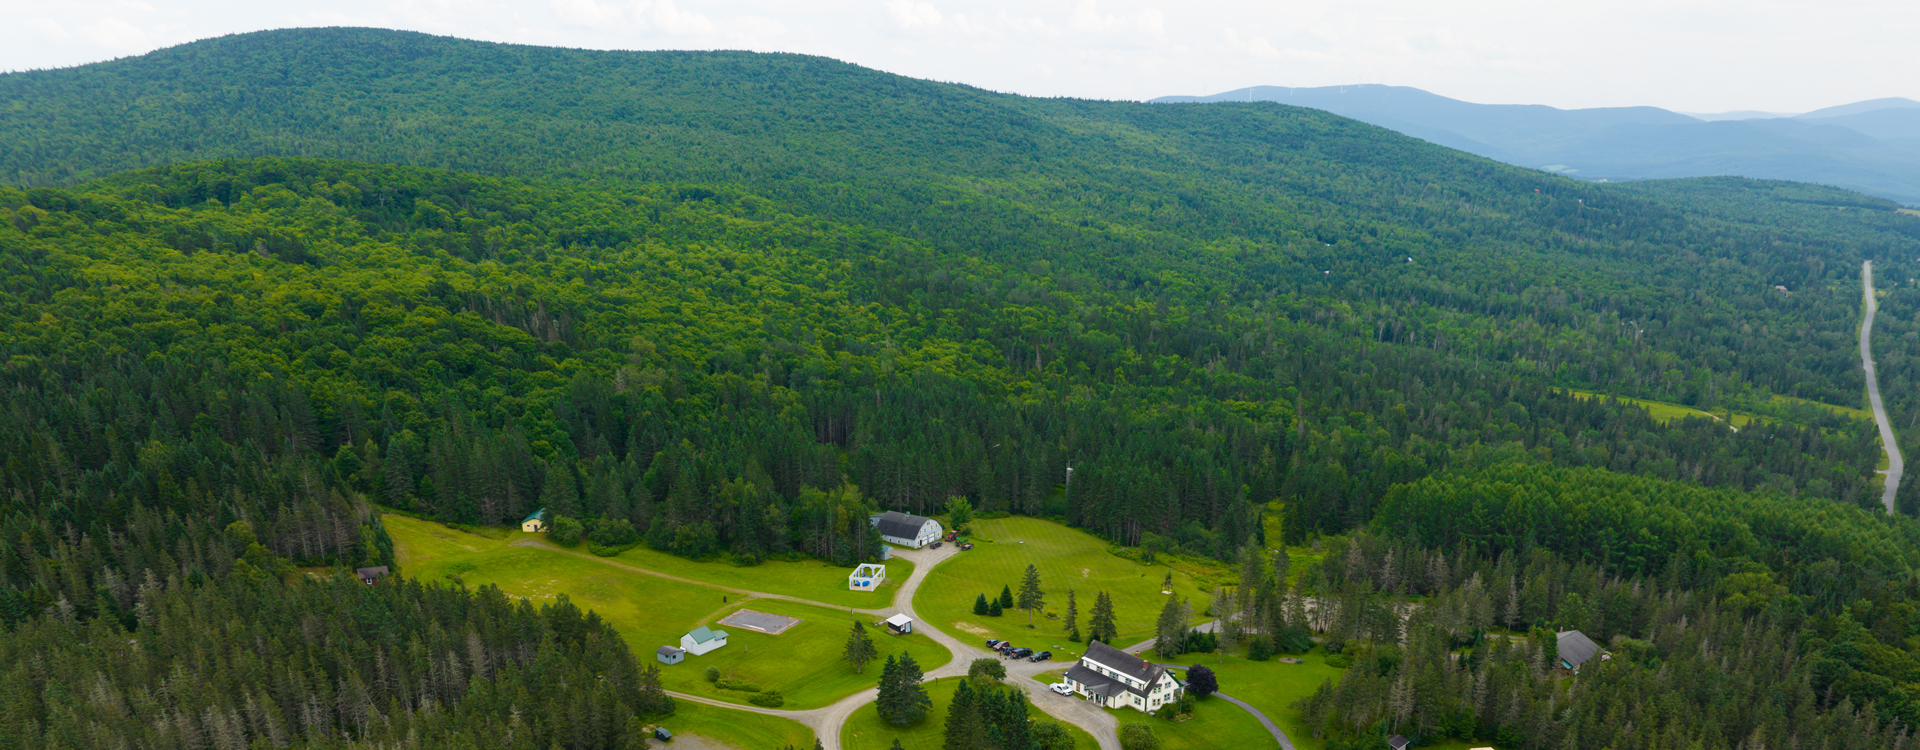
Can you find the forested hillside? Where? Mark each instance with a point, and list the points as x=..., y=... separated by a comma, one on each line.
x=728, y=304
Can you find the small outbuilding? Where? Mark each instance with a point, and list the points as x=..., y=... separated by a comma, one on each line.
x=867, y=577
x=669, y=655
x=535, y=523
x=1575, y=649
x=900, y=624
x=369, y=576
x=1398, y=742
x=906, y=530
x=703, y=639
x=661, y=734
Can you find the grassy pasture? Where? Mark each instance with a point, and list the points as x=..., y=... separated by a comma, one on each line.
x=1666, y=412
x=1065, y=558
x=802, y=663
x=811, y=580
x=737, y=728
x=865, y=731
x=1272, y=687
x=649, y=611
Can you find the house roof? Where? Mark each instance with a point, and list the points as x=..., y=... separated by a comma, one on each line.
x=1101, y=684
x=538, y=514
x=1398, y=742
x=371, y=572
x=1123, y=662
x=703, y=634
x=669, y=651
x=1576, y=648
x=903, y=525
x=899, y=620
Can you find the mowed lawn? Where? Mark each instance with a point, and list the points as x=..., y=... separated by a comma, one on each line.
x=1215, y=723
x=737, y=728
x=865, y=731
x=647, y=610
x=1065, y=558
x=811, y=580
x=1272, y=687
x=804, y=663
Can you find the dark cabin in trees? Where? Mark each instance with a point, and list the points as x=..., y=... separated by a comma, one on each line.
x=1575, y=648
x=370, y=576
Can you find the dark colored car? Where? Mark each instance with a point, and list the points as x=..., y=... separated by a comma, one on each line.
x=936, y=545
x=1021, y=653
x=1042, y=656
x=995, y=643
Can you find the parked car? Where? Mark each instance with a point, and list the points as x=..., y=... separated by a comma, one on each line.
x=1042, y=656
x=936, y=545
x=1022, y=653
x=964, y=546
x=1061, y=688
x=995, y=643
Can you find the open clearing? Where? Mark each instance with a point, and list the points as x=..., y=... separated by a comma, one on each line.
x=803, y=663
x=1065, y=558
x=1666, y=412
x=865, y=731
x=1272, y=687
x=812, y=580
x=740, y=729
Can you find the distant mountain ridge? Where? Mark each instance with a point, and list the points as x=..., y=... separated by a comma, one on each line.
x=1871, y=146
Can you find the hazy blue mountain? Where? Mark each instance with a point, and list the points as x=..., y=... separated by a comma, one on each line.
x=1871, y=146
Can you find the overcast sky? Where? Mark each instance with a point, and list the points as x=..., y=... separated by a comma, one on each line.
x=1686, y=55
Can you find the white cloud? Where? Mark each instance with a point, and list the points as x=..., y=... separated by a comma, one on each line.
x=588, y=12
x=667, y=17
x=911, y=15
x=115, y=34
x=49, y=28
x=1086, y=17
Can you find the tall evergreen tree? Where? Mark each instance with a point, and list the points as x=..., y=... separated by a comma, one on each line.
x=1072, y=626
x=980, y=605
x=964, y=730
x=1006, y=597
x=1170, y=632
x=902, y=701
x=859, y=648
x=1102, y=628
x=1031, y=597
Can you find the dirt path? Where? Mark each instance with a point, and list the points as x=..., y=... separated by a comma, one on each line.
x=1896, y=465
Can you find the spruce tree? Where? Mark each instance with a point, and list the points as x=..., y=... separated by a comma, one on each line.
x=903, y=700
x=1006, y=597
x=980, y=605
x=859, y=649
x=994, y=608
x=964, y=729
x=1073, y=618
x=1102, y=627
x=1031, y=597
x=1170, y=633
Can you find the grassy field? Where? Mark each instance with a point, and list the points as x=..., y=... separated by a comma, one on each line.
x=1666, y=412
x=1215, y=724
x=1065, y=558
x=1272, y=686
x=802, y=663
x=865, y=731
x=651, y=612
x=812, y=580
x=737, y=728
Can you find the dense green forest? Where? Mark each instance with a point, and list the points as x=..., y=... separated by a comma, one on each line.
x=729, y=304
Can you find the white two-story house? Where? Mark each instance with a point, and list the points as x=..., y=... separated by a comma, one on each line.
x=1116, y=679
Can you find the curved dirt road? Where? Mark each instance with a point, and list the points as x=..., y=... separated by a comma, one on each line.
x=1896, y=465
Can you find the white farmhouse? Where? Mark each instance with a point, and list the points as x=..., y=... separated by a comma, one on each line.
x=702, y=640
x=907, y=530
x=1116, y=679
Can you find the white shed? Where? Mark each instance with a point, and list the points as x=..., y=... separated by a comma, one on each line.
x=900, y=624
x=703, y=640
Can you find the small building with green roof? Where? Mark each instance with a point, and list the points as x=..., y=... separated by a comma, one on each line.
x=702, y=640
x=535, y=523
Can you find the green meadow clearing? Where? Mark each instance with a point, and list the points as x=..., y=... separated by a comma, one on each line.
x=1272, y=687
x=737, y=728
x=1065, y=558
x=1215, y=723
x=649, y=611
x=865, y=731
x=802, y=663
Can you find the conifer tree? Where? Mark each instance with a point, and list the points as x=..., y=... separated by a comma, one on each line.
x=980, y=605
x=1073, y=618
x=903, y=700
x=1170, y=633
x=1031, y=597
x=859, y=648
x=1006, y=597
x=964, y=729
x=993, y=609
x=1102, y=627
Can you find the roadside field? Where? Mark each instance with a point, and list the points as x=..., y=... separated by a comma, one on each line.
x=1215, y=724
x=1064, y=557
x=1272, y=687
x=802, y=663
x=737, y=728
x=865, y=731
